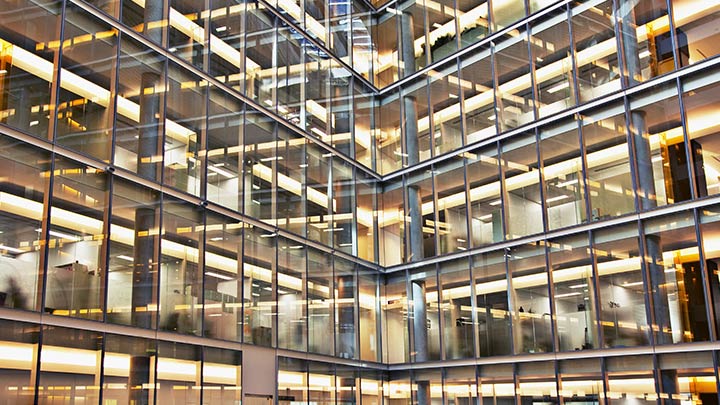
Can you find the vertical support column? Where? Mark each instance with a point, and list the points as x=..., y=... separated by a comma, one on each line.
x=346, y=317
x=407, y=43
x=142, y=278
x=149, y=137
x=645, y=183
x=139, y=376
x=420, y=334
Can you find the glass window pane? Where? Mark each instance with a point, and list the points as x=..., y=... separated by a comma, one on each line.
x=551, y=54
x=178, y=373
x=452, y=212
x=660, y=148
x=696, y=39
x=139, y=122
x=396, y=340
x=181, y=280
x=710, y=235
x=702, y=109
x=513, y=84
x=19, y=372
x=221, y=376
x=483, y=177
x=345, y=302
x=320, y=297
x=224, y=156
x=186, y=113
x=456, y=308
x=596, y=58
x=69, y=366
x=677, y=288
x=129, y=370
x=608, y=166
x=574, y=289
x=646, y=39
x=21, y=222
x=630, y=379
x=259, y=266
x=25, y=93
x=492, y=304
x=562, y=170
x=531, y=305
x=622, y=291
x=478, y=96
x=85, y=105
x=223, y=286
x=134, y=255
x=292, y=312
x=368, y=312
x=76, y=259
x=521, y=177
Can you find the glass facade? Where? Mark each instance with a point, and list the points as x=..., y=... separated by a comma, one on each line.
x=423, y=202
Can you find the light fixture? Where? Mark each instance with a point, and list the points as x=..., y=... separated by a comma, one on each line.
x=218, y=275
x=11, y=249
x=125, y=257
x=222, y=172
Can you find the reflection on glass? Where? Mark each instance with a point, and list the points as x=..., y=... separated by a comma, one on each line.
x=521, y=177
x=181, y=281
x=678, y=295
x=630, y=379
x=564, y=189
x=76, y=260
x=223, y=285
x=320, y=300
x=424, y=315
x=456, y=309
x=259, y=286
x=622, y=291
x=608, y=167
x=395, y=319
x=492, y=304
x=532, y=316
x=61, y=350
x=701, y=121
x=452, y=212
x=26, y=36
x=710, y=235
x=221, y=376
x=24, y=185
x=139, y=122
x=134, y=255
x=292, y=325
x=659, y=148
x=84, y=121
x=551, y=54
x=574, y=289
x=596, y=58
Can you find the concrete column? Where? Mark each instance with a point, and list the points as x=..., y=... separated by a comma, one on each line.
x=142, y=281
x=419, y=320
x=149, y=137
x=645, y=178
x=658, y=288
x=21, y=104
x=152, y=19
x=407, y=43
x=346, y=317
x=138, y=376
